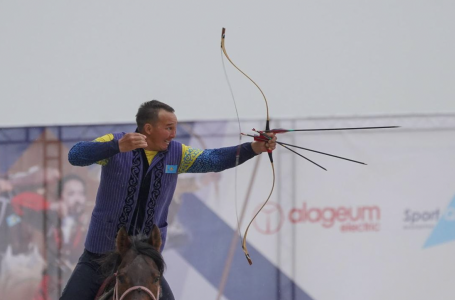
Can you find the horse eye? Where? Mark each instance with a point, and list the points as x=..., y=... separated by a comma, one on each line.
x=156, y=280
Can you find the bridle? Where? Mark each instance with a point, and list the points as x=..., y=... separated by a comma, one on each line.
x=136, y=287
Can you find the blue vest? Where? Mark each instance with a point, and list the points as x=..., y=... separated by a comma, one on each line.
x=118, y=194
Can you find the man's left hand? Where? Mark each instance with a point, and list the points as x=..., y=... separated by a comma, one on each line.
x=259, y=147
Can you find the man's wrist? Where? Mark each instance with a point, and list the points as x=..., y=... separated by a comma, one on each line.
x=256, y=147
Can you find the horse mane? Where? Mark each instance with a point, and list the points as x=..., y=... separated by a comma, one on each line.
x=110, y=262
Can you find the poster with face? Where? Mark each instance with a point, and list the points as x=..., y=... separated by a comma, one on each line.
x=44, y=214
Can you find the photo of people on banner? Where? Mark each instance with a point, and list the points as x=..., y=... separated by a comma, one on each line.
x=41, y=235
x=45, y=208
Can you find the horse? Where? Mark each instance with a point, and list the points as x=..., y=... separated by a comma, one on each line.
x=136, y=268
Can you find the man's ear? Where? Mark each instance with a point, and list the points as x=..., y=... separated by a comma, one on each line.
x=148, y=128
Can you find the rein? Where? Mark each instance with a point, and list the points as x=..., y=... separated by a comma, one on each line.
x=137, y=287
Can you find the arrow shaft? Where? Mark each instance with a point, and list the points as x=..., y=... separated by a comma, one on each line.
x=279, y=130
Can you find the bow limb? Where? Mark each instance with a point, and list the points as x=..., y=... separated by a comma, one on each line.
x=263, y=95
x=267, y=127
x=244, y=247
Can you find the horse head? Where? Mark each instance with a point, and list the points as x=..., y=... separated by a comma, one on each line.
x=141, y=266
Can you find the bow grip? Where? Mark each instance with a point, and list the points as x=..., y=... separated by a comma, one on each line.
x=260, y=138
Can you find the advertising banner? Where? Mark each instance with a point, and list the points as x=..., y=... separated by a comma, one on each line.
x=375, y=219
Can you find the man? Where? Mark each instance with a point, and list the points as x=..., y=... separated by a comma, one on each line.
x=72, y=201
x=138, y=180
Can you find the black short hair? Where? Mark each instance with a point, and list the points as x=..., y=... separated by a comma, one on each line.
x=148, y=112
x=64, y=180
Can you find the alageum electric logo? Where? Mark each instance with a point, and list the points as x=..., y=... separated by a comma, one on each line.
x=349, y=219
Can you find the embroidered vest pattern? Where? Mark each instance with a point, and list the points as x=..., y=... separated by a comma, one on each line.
x=155, y=193
x=132, y=187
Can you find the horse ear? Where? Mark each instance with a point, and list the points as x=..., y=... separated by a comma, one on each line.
x=155, y=238
x=123, y=241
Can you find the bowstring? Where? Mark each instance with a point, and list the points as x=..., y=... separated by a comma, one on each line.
x=237, y=155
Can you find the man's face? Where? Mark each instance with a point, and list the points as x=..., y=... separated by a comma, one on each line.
x=73, y=195
x=160, y=134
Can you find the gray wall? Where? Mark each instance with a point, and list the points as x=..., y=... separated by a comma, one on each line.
x=85, y=62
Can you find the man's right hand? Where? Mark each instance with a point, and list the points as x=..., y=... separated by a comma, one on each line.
x=131, y=141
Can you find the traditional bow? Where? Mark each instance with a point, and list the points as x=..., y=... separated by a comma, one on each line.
x=263, y=137
x=267, y=128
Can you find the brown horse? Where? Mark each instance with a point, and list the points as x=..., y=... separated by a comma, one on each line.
x=136, y=268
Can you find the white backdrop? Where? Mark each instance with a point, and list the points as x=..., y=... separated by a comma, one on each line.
x=381, y=231
x=88, y=62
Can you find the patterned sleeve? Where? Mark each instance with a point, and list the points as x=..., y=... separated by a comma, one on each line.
x=103, y=139
x=98, y=151
x=189, y=155
x=213, y=160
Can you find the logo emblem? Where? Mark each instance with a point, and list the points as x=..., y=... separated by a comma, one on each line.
x=444, y=231
x=271, y=220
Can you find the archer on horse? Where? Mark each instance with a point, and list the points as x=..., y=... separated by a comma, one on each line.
x=138, y=180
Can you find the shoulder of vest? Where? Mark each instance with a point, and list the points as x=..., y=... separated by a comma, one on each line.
x=118, y=135
x=176, y=144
